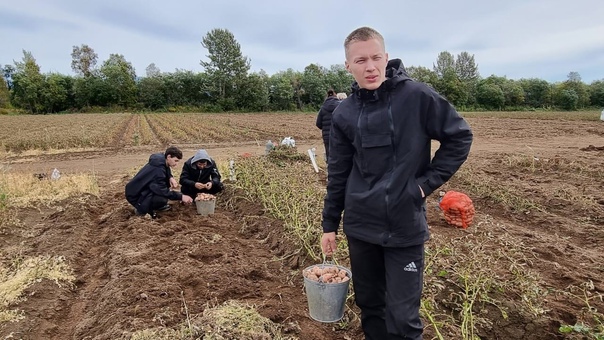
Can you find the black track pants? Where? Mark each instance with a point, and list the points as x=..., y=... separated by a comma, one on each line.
x=387, y=285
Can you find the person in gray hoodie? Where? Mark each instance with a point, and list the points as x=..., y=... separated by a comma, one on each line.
x=200, y=175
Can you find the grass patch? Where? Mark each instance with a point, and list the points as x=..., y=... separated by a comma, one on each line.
x=231, y=320
x=27, y=190
x=22, y=273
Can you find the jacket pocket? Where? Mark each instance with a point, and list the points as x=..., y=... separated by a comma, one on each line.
x=414, y=191
x=377, y=153
x=375, y=140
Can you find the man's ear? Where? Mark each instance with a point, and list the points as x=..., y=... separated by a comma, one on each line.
x=347, y=66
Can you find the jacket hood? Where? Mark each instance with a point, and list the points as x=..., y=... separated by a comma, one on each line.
x=201, y=155
x=395, y=73
x=157, y=160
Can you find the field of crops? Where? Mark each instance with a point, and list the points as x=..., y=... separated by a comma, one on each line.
x=19, y=133
x=76, y=263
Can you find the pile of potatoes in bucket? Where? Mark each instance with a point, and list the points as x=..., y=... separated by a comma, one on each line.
x=202, y=196
x=326, y=274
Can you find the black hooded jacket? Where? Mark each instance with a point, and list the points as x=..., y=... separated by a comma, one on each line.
x=324, y=116
x=152, y=179
x=380, y=154
x=191, y=173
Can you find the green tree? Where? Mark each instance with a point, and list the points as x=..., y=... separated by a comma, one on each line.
x=152, y=70
x=4, y=94
x=151, y=92
x=7, y=73
x=444, y=62
x=254, y=94
x=119, y=81
x=575, y=85
x=57, y=92
x=338, y=78
x=596, y=90
x=466, y=68
x=568, y=99
x=281, y=92
x=513, y=92
x=452, y=88
x=423, y=74
x=537, y=92
x=89, y=91
x=186, y=88
x=467, y=72
x=27, y=84
x=314, y=85
x=225, y=66
x=489, y=95
x=83, y=60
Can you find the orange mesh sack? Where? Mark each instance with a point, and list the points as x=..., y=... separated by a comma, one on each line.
x=458, y=209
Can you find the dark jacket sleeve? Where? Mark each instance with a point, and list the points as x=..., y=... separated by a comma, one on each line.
x=319, y=122
x=444, y=124
x=339, y=167
x=185, y=175
x=159, y=187
x=215, y=175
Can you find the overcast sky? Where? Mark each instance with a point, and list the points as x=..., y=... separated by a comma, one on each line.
x=544, y=39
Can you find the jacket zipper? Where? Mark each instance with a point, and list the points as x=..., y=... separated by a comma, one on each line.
x=391, y=121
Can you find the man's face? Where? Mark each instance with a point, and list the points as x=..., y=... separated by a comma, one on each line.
x=202, y=164
x=172, y=161
x=366, y=61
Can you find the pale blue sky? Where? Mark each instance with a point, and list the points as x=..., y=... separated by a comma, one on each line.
x=544, y=39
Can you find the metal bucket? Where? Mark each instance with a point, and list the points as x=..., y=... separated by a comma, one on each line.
x=205, y=207
x=326, y=301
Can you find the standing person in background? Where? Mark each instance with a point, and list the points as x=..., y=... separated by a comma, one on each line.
x=149, y=190
x=200, y=174
x=379, y=174
x=324, y=118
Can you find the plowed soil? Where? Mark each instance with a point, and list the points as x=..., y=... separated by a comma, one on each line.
x=135, y=273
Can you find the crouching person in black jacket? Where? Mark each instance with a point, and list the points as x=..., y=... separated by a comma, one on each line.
x=149, y=190
x=200, y=175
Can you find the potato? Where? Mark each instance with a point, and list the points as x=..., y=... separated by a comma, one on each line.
x=326, y=274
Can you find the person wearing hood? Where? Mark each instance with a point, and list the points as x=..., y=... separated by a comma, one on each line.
x=324, y=118
x=380, y=171
x=200, y=175
x=149, y=190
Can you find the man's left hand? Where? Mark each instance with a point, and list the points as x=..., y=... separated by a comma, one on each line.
x=173, y=183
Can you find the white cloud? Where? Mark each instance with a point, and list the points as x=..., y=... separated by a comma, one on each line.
x=515, y=38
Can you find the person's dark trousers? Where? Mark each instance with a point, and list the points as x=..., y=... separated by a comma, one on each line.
x=388, y=287
x=158, y=202
x=193, y=191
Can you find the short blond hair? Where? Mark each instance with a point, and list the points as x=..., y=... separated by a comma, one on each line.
x=341, y=96
x=362, y=34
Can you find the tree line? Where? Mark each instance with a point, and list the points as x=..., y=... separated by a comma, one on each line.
x=228, y=85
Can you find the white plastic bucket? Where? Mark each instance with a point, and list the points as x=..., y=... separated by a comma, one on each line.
x=326, y=301
x=205, y=207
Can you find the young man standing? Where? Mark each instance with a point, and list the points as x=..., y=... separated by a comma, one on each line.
x=379, y=173
x=149, y=190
